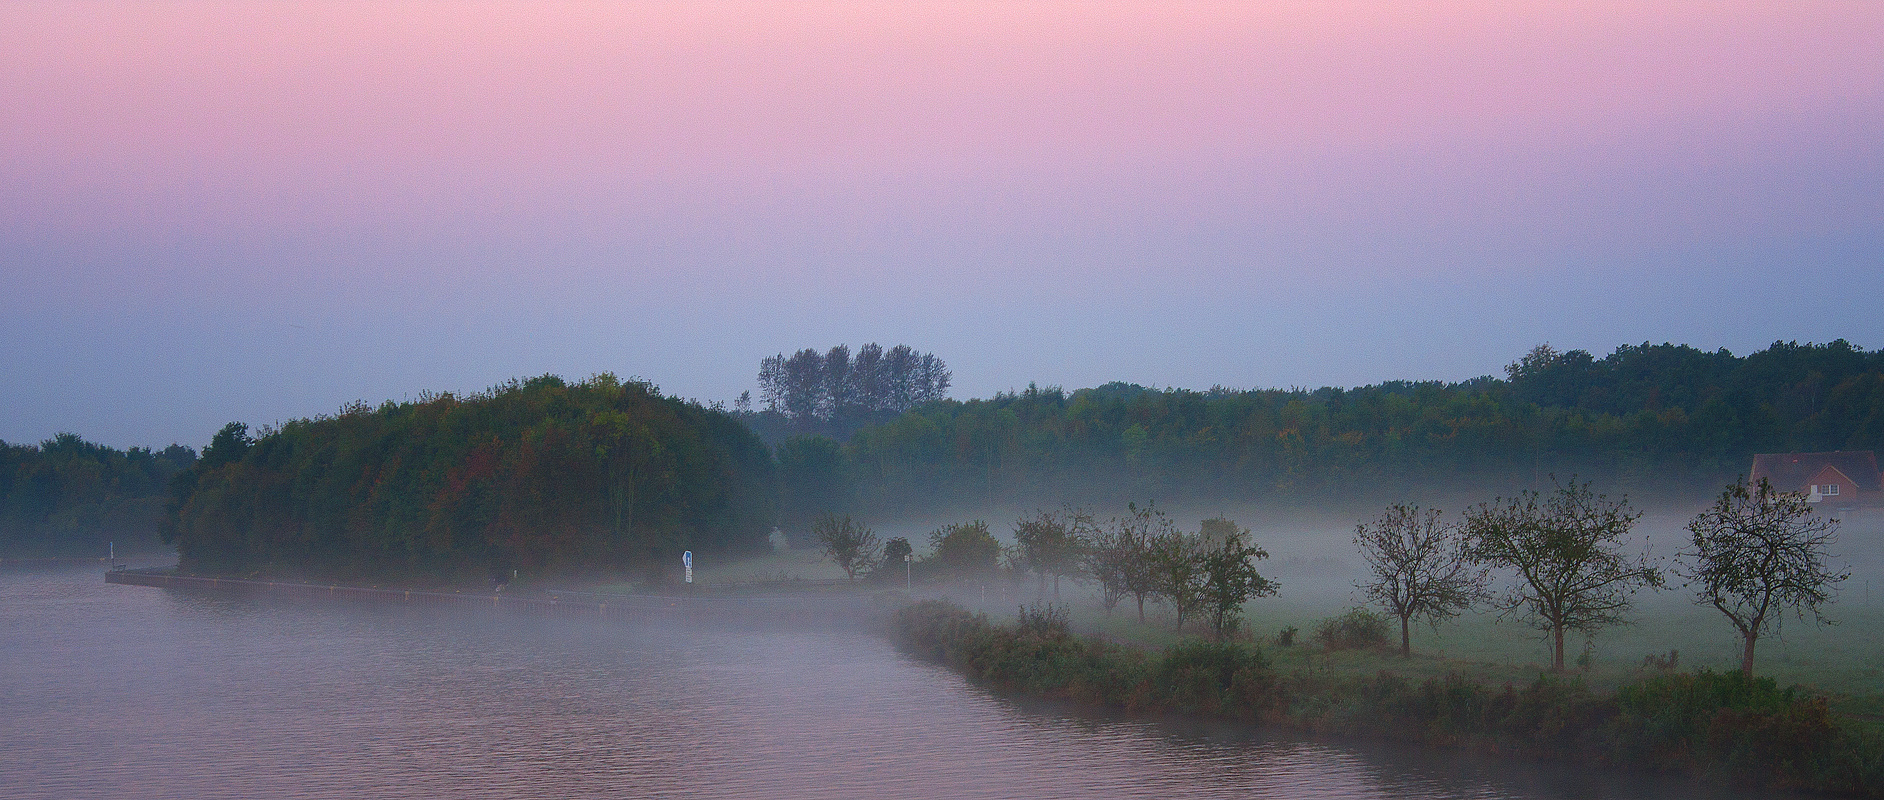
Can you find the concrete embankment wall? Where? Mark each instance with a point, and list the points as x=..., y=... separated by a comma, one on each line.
x=822, y=610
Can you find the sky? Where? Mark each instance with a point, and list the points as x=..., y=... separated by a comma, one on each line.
x=261, y=211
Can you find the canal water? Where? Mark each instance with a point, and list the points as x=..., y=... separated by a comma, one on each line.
x=133, y=692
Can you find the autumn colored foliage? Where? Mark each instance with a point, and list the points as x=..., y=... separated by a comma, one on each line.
x=534, y=475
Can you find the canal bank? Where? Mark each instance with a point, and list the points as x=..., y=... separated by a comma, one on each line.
x=1721, y=729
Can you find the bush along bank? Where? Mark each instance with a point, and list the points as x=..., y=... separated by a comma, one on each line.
x=1721, y=727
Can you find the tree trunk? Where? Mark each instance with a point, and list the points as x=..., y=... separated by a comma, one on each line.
x=1746, y=655
x=1556, y=653
x=1141, y=608
x=1406, y=638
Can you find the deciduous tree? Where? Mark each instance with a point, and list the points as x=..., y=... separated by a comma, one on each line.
x=965, y=548
x=1178, y=569
x=1132, y=552
x=849, y=544
x=1053, y=543
x=1757, y=553
x=1566, y=551
x=1421, y=568
x=1229, y=574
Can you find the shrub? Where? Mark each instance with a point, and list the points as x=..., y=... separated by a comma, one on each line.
x=1748, y=726
x=1043, y=621
x=1358, y=629
x=1218, y=678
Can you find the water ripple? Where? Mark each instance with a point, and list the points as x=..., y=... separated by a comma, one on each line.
x=119, y=692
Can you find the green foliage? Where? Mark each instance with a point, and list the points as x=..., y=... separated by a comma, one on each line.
x=895, y=549
x=965, y=549
x=1723, y=726
x=534, y=475
x=1647, y=416
x=812, y=482
x=1043, y=621
x=1054, y=543
x=70, y=497
x=1038, y=656
x=1422, y=568
x=1358, y=629
x=1758, y=553
x=1230, y=578
x=848, y=544
x=1565, y=549
x=1748, y=727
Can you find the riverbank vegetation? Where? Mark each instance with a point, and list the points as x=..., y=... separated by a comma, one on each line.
x=538, y=476
x=1723, y=727
x=68, y=497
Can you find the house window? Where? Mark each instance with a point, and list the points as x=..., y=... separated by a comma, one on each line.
x=1830, y=488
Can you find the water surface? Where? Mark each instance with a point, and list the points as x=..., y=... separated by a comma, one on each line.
x=124, y=691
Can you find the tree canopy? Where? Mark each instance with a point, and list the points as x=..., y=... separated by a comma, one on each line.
x=1565, y=550
x=534, y=475
x=1646, y=418
x=1758, y=553
x=70, y=497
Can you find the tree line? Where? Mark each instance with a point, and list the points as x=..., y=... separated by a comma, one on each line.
x=1208, y=573
x=536, y=475
x=836, y=392
x=70, y=497
x=1649, y=418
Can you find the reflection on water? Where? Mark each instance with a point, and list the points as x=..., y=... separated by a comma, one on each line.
x=119, y=691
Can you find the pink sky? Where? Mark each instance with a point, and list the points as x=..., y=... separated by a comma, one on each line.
x=365, y=159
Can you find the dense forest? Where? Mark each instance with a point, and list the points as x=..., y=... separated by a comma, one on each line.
x=68, y=497
x=1647, y=418
x=534, y=475
x=539, y=474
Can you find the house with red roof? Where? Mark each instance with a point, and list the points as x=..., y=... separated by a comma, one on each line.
x=1840, y=477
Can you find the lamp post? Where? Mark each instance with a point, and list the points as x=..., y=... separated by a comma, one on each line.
x=909, y=583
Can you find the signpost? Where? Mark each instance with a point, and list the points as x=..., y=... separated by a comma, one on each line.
x=686, y=560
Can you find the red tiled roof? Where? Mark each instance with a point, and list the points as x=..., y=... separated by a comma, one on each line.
x=1790, y=472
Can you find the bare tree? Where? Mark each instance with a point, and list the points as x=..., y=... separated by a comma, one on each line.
x=1422, y=568
x=1758, y=552
x=849, y=544
x=1565, y=550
